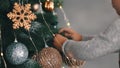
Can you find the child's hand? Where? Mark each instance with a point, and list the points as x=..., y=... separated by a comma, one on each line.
x=70, y=33
x=58, y=41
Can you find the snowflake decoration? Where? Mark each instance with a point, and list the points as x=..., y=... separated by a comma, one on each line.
x=21, y=16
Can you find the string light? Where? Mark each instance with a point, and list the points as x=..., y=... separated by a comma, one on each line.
x=65, y=17
x=69, y=25
x=2, y=55
x=33, y=45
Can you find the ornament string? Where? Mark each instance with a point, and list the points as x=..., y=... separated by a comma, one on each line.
x=47, y=25
x=33, y=44
x=50, y=29
x=45, y=20
x=69, y=25
x=2, y=55
x=44, y=40
x=15, y=37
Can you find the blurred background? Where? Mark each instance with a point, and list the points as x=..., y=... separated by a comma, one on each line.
x=90, y=17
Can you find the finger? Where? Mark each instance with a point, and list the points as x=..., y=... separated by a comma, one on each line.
x=57, y=35
x=67, y=34
x=67, y=30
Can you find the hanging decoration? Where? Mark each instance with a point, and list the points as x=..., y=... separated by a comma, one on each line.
x=50, y=58
x=21, y=16
x=49, y=5
x=16, y=53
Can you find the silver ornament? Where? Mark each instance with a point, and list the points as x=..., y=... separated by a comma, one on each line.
x=16, y=53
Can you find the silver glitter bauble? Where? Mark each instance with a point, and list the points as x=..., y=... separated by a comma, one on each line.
x=16, y=53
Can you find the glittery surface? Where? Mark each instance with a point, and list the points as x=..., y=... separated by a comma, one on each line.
x=105, y=43
x=50, y=58
x=16, y=53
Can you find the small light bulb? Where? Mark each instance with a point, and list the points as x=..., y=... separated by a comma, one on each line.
x=68, y=24
x=36, y=6
x=55, y=26
x=60, y=7
x=1, y=54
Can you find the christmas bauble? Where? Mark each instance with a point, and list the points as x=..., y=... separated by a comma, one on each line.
x=49, y=5
x=30, y=63
x=50, y=58
x=71, y=62
x=16, y=53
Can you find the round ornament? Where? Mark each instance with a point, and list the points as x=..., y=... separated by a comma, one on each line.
x=50, y=58
x=71, y=62
x=16, y=53
x=49, y=5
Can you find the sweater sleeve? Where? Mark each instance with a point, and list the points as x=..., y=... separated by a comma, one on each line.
x=105, y=43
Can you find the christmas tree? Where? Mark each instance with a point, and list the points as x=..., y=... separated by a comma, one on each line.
x=27, y=27
x=27, y=32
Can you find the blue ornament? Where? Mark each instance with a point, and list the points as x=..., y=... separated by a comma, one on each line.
x=16, y=53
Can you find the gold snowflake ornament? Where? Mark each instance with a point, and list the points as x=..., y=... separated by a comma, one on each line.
x=21, y=16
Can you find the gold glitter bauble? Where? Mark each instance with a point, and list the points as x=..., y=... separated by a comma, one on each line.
x=49, y=5
x=50, y=58
x=74, y=63
x=21, y=16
